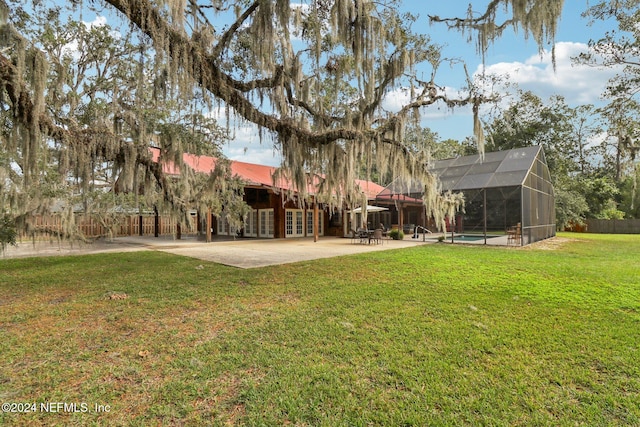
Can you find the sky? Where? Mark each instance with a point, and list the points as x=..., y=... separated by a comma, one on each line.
x=512, y=55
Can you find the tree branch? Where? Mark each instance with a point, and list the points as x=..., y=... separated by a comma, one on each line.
x=226, y=37
x=143, y=14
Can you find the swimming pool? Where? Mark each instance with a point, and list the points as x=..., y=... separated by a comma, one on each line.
x=470, y=238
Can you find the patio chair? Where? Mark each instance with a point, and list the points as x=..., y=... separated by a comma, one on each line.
x=377, y=235
x=514, y=235
x=363, y=235
x=353, y=234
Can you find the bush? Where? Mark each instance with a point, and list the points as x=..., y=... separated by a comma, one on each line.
x=8, y=232
x=396, y=234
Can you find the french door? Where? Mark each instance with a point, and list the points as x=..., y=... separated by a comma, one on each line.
x=294, y=222
x=310, y=223
x=265, y=226
x=251, y=224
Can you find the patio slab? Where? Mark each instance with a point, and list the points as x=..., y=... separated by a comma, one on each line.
x=261, y=253
x=241, y=253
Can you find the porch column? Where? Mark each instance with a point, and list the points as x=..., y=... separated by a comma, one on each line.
x=156, y=222
x=316, y=222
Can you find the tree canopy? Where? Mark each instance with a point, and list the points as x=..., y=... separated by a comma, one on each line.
x=312, y=76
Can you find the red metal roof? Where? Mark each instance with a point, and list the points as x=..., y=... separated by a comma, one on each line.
x=389, y=198
x=251, y=173
x=203, y=164
x=371, y=189
x=257, y=174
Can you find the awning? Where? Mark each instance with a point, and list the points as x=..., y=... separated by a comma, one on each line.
x=370, y=209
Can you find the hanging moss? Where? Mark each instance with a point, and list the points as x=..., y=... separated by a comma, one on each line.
x=51, y=158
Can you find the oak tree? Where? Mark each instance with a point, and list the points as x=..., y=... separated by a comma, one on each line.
x=312, y=76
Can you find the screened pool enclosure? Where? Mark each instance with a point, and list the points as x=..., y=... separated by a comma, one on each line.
x=501, y=190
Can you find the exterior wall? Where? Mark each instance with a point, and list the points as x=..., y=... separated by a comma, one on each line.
x=262, y=200
x=278, y=208
x=335, y=223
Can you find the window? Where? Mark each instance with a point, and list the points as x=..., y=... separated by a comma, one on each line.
x=223, y=227
x=251, y=224
x=293, y=223
x=289, y=223
x=310, y=223
x=299, y=224
x=266, y=223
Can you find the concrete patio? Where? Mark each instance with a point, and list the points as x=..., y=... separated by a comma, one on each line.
x=241, y=253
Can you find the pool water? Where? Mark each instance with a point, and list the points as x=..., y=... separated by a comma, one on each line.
x=469, y=238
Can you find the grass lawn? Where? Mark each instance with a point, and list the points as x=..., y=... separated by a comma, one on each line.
x=434, y=335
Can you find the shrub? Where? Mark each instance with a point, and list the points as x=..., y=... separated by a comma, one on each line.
x=8, y=232
x=396, y=234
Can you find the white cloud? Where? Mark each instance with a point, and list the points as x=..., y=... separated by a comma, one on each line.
x=245, y=146
x=99, y=21
x=396, y=99
x=578, y=84
x=258, y=154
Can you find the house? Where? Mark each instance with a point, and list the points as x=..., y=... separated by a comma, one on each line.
x=501, y=189
x=273, y=214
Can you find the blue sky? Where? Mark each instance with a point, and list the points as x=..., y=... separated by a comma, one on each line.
x=512, y=55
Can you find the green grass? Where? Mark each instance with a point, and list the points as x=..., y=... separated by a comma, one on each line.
x=434, y=335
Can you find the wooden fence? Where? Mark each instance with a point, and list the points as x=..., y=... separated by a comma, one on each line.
x=613, y=226
x=91, y=227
